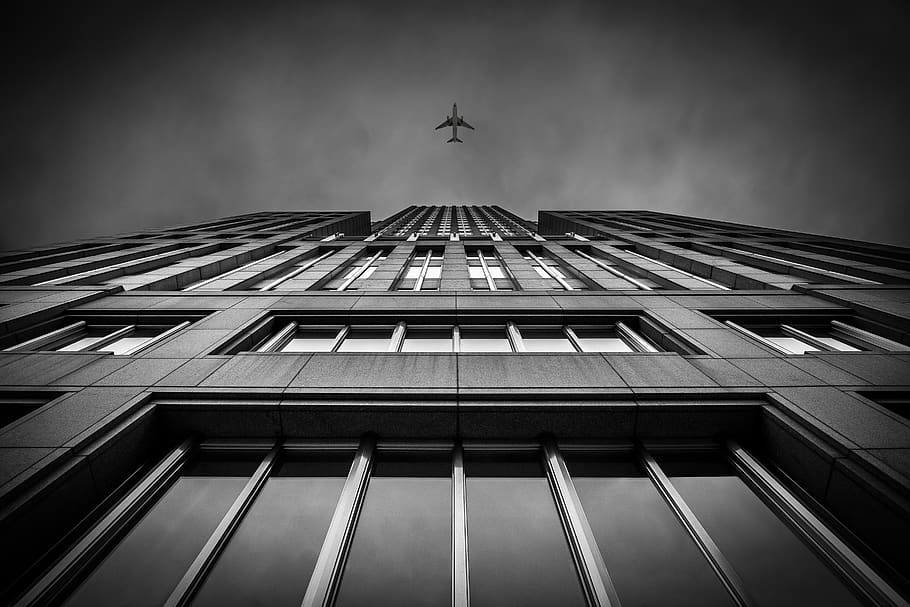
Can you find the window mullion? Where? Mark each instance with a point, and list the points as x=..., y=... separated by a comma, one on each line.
x=418, y=284
x=359, y=272
x=514, y=334
x=714, y=284
x=573, y=338
x=296, y=271
x=614, y=271
x=280, y=338
x=201, y=284
x=809, y=339
x=327, y=574
x=486, y=270
x=66, y=572
x=460, y=585
x=203, y=562
x=875, y=340
x=719, y=563
x=550, y=272
x=636, y=341
x=157, y=339
x=340, y=337
x=757, y=337
x=109, y=338
x=589, y=560
x=811, y=528
x=398, y=336
x=47, y=338
x=456, y=339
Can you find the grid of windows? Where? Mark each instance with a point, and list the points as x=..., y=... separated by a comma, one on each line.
x=404, y=337
x=404, y=523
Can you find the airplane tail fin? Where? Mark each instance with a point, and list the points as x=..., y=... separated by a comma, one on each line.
x=454, y=140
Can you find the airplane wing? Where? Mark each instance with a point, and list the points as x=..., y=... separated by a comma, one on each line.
x=461, y=122
x=448, y=122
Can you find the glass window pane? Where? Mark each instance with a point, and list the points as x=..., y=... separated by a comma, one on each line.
x=402, y=549
x=492, y=339
x=312, y=340
x=517, y=551
x=475, y=272
x=650, y=556
x=412, y=272
x=428, y=340
x=80, y=344
x=271, y=556
x=367, y=340
x=540, y=272
x=125, y=344
x=545, y=340
x=142, y=570
x=600, y=340
x=776, y=567
x=792, y=344
x=434, y=272
x=496, y=272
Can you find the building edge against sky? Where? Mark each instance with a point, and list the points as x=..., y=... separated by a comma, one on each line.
x=314, y=387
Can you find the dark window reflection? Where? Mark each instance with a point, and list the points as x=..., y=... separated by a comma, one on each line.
x=517, y=551
x=146, y=565
x=402, y=548
x=776, y=567
x=651, y=558
x=271, y=556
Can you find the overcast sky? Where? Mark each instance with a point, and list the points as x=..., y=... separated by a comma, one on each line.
x=116, y=117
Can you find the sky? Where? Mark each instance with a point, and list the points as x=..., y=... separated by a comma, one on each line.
x=123, y=116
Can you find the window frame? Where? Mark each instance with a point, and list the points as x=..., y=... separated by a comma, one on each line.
x=595, y=581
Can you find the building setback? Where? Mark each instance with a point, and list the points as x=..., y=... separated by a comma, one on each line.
x=454, y=405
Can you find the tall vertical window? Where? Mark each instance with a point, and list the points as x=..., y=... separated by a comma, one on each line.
x=550, y=269
x=488, y=272
x=358, y=272
x=423, y=271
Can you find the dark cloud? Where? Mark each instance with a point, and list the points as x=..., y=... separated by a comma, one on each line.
x=119, y=116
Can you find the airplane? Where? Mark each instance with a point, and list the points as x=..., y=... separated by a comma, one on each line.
x=455, y=121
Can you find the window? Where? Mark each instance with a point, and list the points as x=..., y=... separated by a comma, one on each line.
x=103, y=334
x=488, y=272
x=634, y=278
x=278, y=335
x=14, y=405
x=551, y=270
x=804, y=335
x=898, y=402
x=703, y=281
x=274, y=280
x=360, y=270
x=422, y=272
x=404, y=522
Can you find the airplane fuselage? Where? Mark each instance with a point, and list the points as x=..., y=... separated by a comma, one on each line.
x=454, y=121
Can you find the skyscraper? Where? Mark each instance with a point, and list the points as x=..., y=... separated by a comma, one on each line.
x=454, y=405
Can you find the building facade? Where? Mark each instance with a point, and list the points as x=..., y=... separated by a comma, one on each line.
x=455, y=405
